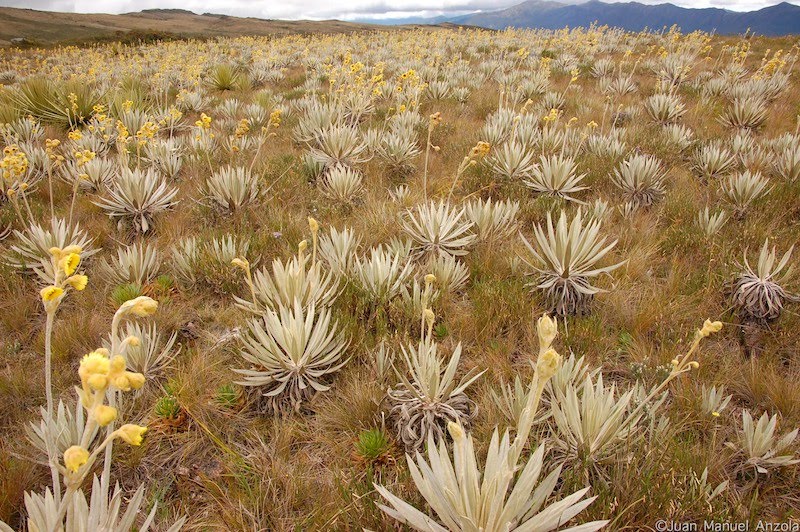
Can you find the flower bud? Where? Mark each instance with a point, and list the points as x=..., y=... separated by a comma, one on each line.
x=455, y=430
x=121, y=382
x=430, y=278
x=78, y=282
x=136, y=380
x=547, y=330
x=313, y=224
x=104, y=414
x=131, y=434
x=97, y=382
x=429, y=316
x=75, y=457
x=710, y=327
x=72, y=249
x=95, y=363
x=133, y=341
x=140, y=306
x=547, y=364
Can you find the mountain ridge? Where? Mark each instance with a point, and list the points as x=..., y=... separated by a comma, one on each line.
x=779, y=19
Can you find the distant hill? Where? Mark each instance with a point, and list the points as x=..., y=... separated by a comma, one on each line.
x=781, y=19
x=44, y=27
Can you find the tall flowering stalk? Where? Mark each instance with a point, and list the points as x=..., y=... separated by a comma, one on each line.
x=65, y=263
x=506, y=494
x=102, y=374
x=433, y=121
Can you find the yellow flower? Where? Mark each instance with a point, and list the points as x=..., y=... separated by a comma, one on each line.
x=104, y=414
x=313, y=224
x=430, y=278
x=140, y=306
x=75, y=457
x=78, y=282
x=51, y=293
x=135, y=380
x=715, y=413
x=70, y=263
x=131, y=434
x=94, y=369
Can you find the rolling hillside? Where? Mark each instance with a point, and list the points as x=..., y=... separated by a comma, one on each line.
x=47, y=27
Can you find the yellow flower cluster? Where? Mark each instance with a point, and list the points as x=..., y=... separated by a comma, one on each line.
x=434, y=121
x=480, y=150
x=50, y=146
x=204, y=122
x=242, y=128
x=100, y=371
x=14, y=164
x=146, y=132
x=552, y=116
x=65, y=263
x=122, y=133
x=83, y=156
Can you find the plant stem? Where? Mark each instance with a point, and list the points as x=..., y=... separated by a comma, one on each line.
x=425, y=174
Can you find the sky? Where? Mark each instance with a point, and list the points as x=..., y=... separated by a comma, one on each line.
x=325, y=9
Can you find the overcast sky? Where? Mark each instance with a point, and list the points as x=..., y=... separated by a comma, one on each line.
x=321, y=9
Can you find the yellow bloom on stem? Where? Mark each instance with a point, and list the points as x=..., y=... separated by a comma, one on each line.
x=710, y=327
x=69, y=263
x=51, y=293
x=78, y=282
x=104, y=414
x=136, y=380
x=140, y=306
x=75, y=457
x=94, y=369
x=131, y=434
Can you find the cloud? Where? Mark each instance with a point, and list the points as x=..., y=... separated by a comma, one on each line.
x=324, y=9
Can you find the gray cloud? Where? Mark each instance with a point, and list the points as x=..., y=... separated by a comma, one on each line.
x=322, y=9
